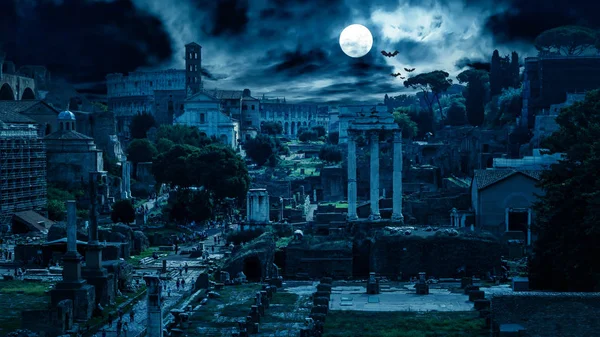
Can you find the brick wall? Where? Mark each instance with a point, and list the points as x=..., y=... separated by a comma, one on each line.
x=549, y=314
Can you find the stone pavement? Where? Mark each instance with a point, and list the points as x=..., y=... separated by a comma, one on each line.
x=140, y=308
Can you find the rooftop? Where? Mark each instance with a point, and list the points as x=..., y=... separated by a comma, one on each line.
x=485, y=178
x=67, y=135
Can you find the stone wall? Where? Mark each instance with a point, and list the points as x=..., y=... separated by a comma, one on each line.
x=334, y=182
x=73, y=168
x=49, y=323
x=318, y=259
x=103, y=127
x=438, y=255
x=545, y=314
x=436, y=210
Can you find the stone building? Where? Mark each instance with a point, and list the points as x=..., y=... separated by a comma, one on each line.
x=19, y=84
x=241, y=106
x=160, y=93
x=547, y=80
x=291, y=116
x=204, y=112
x=503, y=198
x=71, y=155
x=22, y=166
x=41, y=112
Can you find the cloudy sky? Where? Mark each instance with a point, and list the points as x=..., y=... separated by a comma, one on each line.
x=277, y=47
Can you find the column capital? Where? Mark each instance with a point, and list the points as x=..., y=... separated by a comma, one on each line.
x=374, y=134
x=398, y=136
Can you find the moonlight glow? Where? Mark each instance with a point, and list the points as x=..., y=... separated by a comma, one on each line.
x=356, y=40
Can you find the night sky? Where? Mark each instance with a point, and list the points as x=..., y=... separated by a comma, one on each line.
x=277, y=47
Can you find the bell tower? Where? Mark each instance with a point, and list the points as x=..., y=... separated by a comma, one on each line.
x=193, y=64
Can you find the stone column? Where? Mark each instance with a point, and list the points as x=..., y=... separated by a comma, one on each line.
x=248, y=207
x=154, y=326
x=352, y=177
x=128, y=180
x=374, y=181
x=124, y=180
x=71, y=227
x=397, y=178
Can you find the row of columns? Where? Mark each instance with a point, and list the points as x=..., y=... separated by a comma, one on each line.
x=374, y=177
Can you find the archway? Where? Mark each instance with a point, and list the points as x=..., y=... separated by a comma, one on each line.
x=252, y=268
x=28, y=94
x=293, y=131
x=48, y=129
x=286, y=129
x=6, y=93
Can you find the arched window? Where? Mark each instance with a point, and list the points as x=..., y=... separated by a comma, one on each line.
x=48, y=129
x=62, y=127
x=68, y=126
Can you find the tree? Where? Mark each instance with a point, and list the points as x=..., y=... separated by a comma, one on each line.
x=333, y=138
x=163, y=145
x=566, y=214
x=305, y=135
x=220, y=170
x=262, y=149
x=171, y=168
x=510, y=104
x=183, y=134
x=320, y=130
x=407, y=125
x=140, y=124
x=271, y=128
x=330, y=154
x=432, y=84
x=141, y=150
x=565, y=40
x=399, y=101
x=457, y=113
x=475, y=94
x=122, y=211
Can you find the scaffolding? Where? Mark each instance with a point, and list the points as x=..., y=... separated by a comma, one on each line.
x=22, y=170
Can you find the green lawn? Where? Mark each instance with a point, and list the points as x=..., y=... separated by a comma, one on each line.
x=404, y=324
x=16, y=296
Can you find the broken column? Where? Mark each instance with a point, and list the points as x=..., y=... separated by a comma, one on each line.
x=72, y=286
x=374, y=181
x=422, y=286
x=397, y=179
x=352, y=177
x=154, y=290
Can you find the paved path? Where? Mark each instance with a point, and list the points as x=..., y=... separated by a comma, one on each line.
x=140, y=308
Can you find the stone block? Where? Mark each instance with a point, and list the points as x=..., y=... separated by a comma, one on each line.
x=422, y=289
x=319, y=309
x=520, y=284
x=202, y=281
x=324, y=287
x=466, y=281
x=321, y=301
x=82, y=296
x=470, y=288
x=481, y=304
x=327, y=280
x=325, y=294
x=476, y=295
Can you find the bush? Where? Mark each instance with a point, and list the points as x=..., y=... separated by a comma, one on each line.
x=271, y=128
x=333, y=138
x=244, y=236
x=141, y=150
x=308, y=136
x=123, y=211
x=321, y=132
x=330, y=154
x=140, y=124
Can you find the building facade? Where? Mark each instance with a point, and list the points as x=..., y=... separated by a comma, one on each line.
x=348, y=113
x=22, y=167
x=204, y=112
x=291, y=116
x=241, y=106
x=20, y=84
x=159, y=93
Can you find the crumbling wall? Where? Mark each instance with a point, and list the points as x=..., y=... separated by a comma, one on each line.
x=545, y=314
x=438, y=255
x=262, y=248
x=319, y=258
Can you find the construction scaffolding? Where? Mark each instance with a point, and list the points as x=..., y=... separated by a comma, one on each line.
x=22, y=170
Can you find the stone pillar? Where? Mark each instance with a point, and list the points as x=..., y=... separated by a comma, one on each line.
x=154, y=326
x=71, y=260
x=352, y=178
x=248, y=207
x=529, y=220
x=128, y=179
x=397, y=179
x=374, y=181
x=315, y=196
x=124, y=179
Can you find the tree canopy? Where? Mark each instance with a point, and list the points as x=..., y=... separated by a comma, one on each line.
x=330, y=154
x=170, y=167
x=183, y=134
x=566, y=40
x=264, y=149
x=307, y=135
x=432, y=84
x=140, y=124
x=333, y=138
x=567, y=214
x=407, y=125
x=271, y=128
x=475, y=94
x=141, y=150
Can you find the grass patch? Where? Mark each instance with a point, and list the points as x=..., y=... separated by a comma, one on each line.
x=16, y=296
x=404, y=324
x=26, y=288
x=338, y=204
x=146, y=253
x=284, y=298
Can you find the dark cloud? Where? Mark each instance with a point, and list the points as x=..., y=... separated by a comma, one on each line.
x=299, y=63
x=225, y=17
x=82, y=40
x=477, y=64
x=414, y=52
x=211, y=76
x=525, y=20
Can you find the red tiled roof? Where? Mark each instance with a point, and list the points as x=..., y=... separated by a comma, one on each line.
x=33, y=220
x=485, y=178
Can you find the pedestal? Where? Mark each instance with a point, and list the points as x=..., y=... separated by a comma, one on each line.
x=82, y=295
x=374, y=181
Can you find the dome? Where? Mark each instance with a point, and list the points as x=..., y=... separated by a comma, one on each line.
x=66, y=116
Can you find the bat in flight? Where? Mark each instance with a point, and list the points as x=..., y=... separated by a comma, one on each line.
x=409, y=70
x=395, y=75
x=386, y=54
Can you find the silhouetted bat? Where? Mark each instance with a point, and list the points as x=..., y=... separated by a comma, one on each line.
x=409, y=70
x=386, y=54
x=402, y=77
x=395, y=75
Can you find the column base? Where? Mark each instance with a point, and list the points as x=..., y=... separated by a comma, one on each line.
x=374, y=217
x=398, y=218
x=352, y=217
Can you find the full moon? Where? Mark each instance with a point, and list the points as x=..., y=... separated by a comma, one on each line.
x=356, y=40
